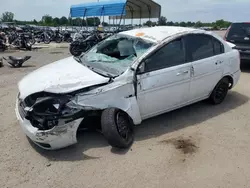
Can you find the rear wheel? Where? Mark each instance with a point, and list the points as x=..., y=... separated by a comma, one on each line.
x=58, y=39
x=117, y=128
x=69, y=40
x=32, y=41
x=220, y=91
x=46, y=40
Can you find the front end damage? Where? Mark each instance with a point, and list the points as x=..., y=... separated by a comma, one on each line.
x=48, y=121
x=52, y=120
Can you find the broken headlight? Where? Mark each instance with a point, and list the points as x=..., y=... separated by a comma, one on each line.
x=48, y=112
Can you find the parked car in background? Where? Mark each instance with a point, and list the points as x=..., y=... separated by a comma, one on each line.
x=239, y=34
x=125, y=79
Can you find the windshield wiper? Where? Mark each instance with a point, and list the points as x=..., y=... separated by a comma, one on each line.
x=102, y=73
x=78, y=59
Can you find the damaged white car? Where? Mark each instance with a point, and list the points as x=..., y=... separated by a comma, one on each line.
x=127, y=78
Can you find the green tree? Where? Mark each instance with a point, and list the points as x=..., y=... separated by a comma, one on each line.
x=162, y=21
x=176, y=24
x=63, y=21
x=189, y=24
x=148, y=23
x=198, y=24
x=183, y=24
x=47, y=20
x=7, y=17
x=222, y=24
x=170, y=23
x=93, y=21
x=35, y=22
x=77, y=22
x=56, y=21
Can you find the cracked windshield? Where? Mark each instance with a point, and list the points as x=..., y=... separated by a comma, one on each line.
x=116, y=54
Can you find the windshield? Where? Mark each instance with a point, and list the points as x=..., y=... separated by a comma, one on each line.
x=115, y=54
x=239, y=30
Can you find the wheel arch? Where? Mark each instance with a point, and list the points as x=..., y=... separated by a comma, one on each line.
x=230, y=79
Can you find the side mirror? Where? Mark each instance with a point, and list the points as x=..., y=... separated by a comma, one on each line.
x=141, y=68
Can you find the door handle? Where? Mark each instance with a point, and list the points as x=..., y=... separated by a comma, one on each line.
x=218, y=62
x=181, y=73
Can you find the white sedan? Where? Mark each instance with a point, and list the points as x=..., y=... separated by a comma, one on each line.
x=127, y=78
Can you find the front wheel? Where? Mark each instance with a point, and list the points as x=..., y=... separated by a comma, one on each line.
x=220, y=91
x=75, y=50
x=117, y=128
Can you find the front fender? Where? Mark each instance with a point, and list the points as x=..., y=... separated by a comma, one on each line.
x=112, y=96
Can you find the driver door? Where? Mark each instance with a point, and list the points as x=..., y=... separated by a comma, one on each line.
x=164, y=84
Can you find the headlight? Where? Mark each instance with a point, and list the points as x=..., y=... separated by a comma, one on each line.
x=49, y=105
x=48, y=111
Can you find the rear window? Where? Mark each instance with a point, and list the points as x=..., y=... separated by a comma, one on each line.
x=239, y=30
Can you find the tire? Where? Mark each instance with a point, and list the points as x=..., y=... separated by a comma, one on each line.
x=117, y=128
x=220, y=91
x=69, y=40
x=32, y=41
x=46, y=41
x=2, y=48
x=28, y=46
x=58, y=39
x=75, y=50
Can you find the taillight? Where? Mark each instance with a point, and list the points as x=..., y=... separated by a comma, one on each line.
x=225, y=36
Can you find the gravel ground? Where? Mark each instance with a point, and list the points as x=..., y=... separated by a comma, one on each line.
x=197, y=146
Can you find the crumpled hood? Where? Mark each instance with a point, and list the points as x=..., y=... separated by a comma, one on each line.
x=62, y=76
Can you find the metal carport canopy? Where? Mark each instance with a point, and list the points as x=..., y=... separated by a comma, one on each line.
x=129, y=9
x=103, y=8
x=141, y=9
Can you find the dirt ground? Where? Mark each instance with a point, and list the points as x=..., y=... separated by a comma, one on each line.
x=197, y=146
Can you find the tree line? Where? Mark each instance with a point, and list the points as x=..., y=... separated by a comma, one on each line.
x=48, y=20
x=215, y=25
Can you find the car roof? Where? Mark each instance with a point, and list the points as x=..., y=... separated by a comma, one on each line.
x=158, y=33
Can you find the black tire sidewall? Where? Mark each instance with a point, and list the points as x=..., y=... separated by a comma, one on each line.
x=72, y=50
x=213, y=95
x=110, y=130
x=58, y=40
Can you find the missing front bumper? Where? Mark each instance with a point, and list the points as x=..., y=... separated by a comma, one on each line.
x=55, y=138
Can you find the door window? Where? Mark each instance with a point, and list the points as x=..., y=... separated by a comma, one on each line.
x=218, y=47
x=169, y=55
x=199, y=47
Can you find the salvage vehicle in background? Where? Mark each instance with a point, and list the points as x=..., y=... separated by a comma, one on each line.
x=82, y=44
x=239, y=34
x=125, y=79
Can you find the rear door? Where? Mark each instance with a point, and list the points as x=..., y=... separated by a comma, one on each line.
x=207, y=56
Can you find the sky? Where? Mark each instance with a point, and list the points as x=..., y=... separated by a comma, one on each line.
x=173, y=10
